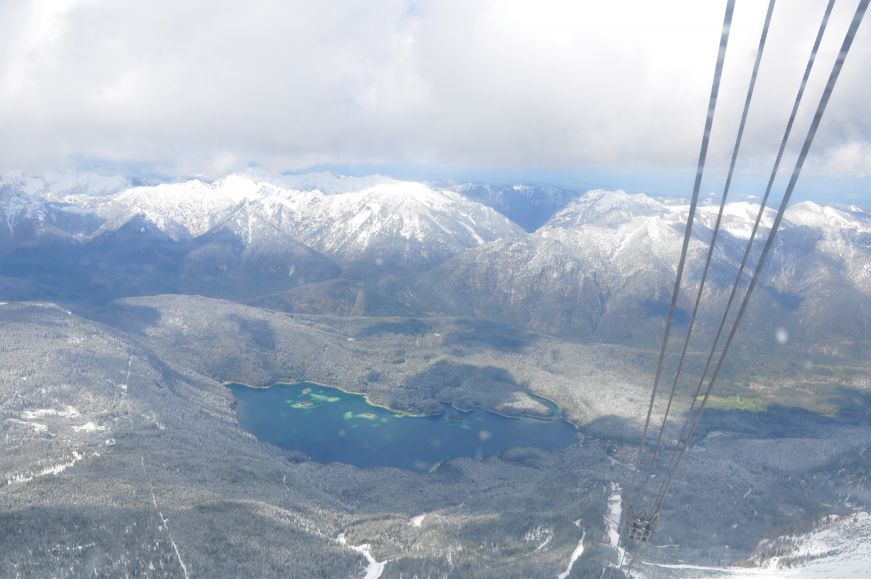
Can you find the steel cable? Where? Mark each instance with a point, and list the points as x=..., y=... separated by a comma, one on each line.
x=762, y=208
x=821, y=107
x=706, y=137
x=759, y=51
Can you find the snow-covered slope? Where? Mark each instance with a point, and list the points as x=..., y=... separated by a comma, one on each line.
x=17, y=207
x=186, y=209
x=634, y=234
x=606, y=208
x=838, y=547
x=809, y=214
x=388, y=221
x=65, y=183
x=325, y=182
x=843, y=238
x=594, y=265
x=530, y=206
x=602, y=266
x=27, y=201
x=623, y=237
x=627, y=247
x=391, y=223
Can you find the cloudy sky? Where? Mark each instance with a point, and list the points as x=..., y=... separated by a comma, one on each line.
x=596, y=93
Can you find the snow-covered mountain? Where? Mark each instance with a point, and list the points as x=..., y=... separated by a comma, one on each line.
x=65, y=183
x=398, y=223
x=601, y=267
x=27, y=200
x=843, y=237
x=530, y=206
x=605, y=266
x=246, y=234
x=387, y=221
x=837, y=546
x=18, y=208
x=325, y=182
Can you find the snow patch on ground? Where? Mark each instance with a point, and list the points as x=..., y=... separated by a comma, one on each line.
x=164, y=522
x=89, y=427
x=613, y=514
x=576, y=554
x=540, y=535
x=417, y=521
x=840, y=546
x=66, y=412
x=56, y=469
x=36, y=426
x=374, y=568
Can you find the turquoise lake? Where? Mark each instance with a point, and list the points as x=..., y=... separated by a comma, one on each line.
x=330, y=425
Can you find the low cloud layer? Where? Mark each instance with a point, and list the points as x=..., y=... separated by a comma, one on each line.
x=211, y=86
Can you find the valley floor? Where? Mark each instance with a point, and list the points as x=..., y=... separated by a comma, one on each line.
x=121, y=453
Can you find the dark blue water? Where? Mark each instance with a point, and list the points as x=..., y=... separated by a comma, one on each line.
x=330, y=425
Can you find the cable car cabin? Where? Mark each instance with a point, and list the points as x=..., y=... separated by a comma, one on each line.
x=641, y=527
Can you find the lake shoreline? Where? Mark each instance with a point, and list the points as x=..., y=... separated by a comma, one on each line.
x=339, y=388
x=450, y=405
x=355, y=431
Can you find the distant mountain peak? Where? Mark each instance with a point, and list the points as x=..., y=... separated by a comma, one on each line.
x=606, y=208
x=811, y=214
x=347, y=218
x=60, y=183
x=324, y=181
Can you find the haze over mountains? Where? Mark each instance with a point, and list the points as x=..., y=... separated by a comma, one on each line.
x=600, y=267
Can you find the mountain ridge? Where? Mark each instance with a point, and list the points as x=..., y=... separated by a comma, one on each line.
x=600, y=268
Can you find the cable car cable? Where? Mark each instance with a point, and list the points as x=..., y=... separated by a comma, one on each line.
x=821, y=107
x=762, y=207
x=712, y=102
x=714, y=235
x=759, y=51
x=706, y=137
x=763, y=204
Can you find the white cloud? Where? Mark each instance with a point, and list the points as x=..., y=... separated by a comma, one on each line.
x=851, y=159
x=207, y=86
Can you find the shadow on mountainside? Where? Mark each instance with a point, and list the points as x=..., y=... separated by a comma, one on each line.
x=479, y=334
